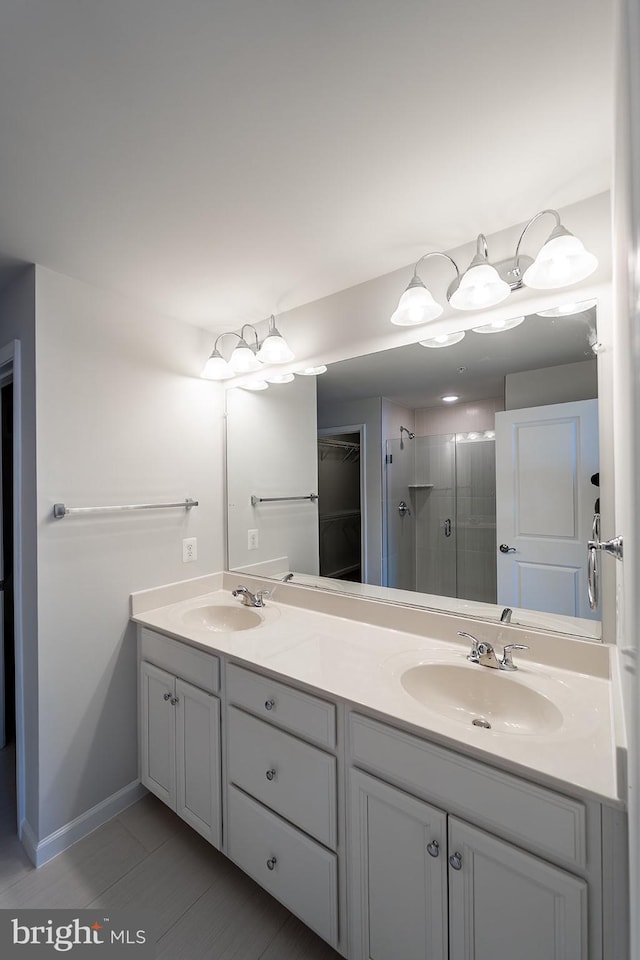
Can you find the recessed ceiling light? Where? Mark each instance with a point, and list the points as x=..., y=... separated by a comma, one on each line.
x=499, y=326
x=451, y=398
x=568, y=309
x=445, y=340
x=312, y=371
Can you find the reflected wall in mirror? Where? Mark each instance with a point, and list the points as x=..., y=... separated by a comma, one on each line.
x=473, y=506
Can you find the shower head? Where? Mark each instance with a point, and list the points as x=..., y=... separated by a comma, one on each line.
x=408, y=433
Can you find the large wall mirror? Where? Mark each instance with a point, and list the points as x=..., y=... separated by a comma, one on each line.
x=480, y=505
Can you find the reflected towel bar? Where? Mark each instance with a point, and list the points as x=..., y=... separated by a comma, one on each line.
x=60, y=510
x=255, y=500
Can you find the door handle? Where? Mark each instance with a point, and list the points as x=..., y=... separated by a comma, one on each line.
x=447, y=528
x=505, y=548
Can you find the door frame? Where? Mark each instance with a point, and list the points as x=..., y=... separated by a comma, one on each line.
x=10, y=372
x=361, y=430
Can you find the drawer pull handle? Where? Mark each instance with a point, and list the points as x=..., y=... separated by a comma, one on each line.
x=269, y=704
x=455, y=860
x=271, y=863
x=433, y=848
x=270, y=774
x=167, y=696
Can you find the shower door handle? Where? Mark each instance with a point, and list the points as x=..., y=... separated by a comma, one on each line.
x=447, y=528
x=403, y=509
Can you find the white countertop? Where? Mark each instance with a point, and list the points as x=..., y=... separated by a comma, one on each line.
x=362, y=664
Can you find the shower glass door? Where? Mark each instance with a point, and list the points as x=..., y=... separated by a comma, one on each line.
x=434, y=497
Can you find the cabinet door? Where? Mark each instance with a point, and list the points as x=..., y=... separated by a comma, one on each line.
x=507, y=903
x=157, y=733
x=198, y=760
x=398, y=889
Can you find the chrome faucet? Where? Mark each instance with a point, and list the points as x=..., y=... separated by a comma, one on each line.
x=483, y=653
x=287, y=577
x=250, y=599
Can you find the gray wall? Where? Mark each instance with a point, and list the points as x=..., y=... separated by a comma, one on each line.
x=561, y=384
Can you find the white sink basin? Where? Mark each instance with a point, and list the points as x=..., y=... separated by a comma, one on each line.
x=494, y=699
x=222, y=618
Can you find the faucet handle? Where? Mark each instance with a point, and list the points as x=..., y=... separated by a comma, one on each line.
x=507, y=656
x=474, y=655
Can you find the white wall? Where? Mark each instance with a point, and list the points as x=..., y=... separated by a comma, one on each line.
x=458, y=418
x=394, y=416
x=561, y=384
x=122, y=417
x=18, y=322
x=272, y=452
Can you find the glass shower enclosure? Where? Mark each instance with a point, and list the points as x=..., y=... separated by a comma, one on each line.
x=441, y=515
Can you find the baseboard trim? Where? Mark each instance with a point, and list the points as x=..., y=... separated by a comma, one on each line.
x=41, y=851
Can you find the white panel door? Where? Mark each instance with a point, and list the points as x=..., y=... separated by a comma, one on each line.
x=198, y=760
x=398, y=888
x=545, y=458
x=504, y=903
x=158, y=733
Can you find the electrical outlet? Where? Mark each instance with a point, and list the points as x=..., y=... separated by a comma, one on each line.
x=252, y=539
x=189, y=549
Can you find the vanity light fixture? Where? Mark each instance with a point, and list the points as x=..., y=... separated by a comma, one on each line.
x=244, y=358
x=444, y=340
x=275, y=348
x=568, y=309
x=216, y=367
x=312, y=371
x=561, y=262
x=450, y=398
x=498, y=326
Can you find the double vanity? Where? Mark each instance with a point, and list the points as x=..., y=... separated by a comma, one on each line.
x=406, y=802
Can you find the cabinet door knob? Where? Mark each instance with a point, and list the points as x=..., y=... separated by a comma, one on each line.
x=167, y=696
x=433, y=848
x=270, y=774
x=455, y=860
x=271, y=863
x=269, y=704
x=174, y=700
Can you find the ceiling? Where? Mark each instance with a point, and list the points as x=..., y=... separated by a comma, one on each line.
x=473, y=369
x=220, y=160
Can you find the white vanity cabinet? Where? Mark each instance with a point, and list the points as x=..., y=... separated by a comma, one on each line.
x=282, y=800
x=426, y=884
x=180, y=732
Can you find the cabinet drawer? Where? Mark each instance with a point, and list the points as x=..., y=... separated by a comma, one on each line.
x=285, y=706
x=294, y=869
x=529, y=815
x=288, y=775
x=200, y=668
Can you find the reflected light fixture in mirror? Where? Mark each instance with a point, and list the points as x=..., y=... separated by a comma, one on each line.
x=498, y=326
x=280, y=378
x=312, y=371
x=255, y=385
x=561, y=261
x=444, y=340
x=450, y=398
x=567, y=309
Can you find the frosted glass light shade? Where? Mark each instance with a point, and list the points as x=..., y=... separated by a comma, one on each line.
x=562, y=261
x=416, y=305
x=256, y=385
x=444, y=340
x=275, y=349
x=280, y=378
x=216, y=368
x=480, y=287
x=243, y=359
x=312, y=371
